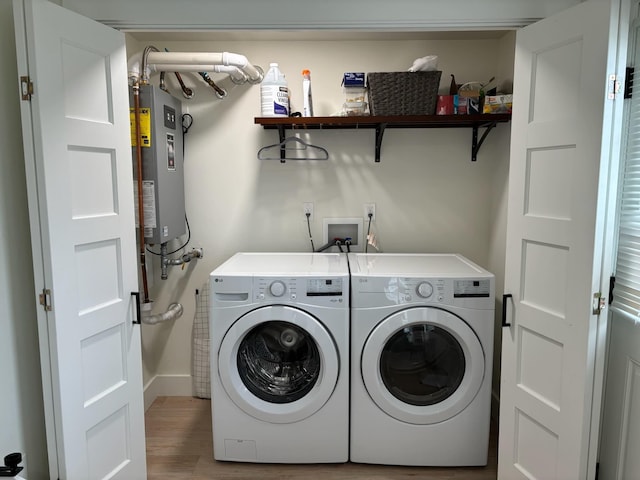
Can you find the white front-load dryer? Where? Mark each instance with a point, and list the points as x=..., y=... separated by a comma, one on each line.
x=421, y=359
x=279, y=326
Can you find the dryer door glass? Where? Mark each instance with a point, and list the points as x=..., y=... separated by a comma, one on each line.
x=422, y=364
x=278, y=362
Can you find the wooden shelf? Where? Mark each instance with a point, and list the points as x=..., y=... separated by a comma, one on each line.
x=380, y=123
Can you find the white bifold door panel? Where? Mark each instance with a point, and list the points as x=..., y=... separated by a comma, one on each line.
x=620, y=441
x=80, y=189
x=552, y=261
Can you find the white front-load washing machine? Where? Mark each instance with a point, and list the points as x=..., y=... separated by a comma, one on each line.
x=279, y=326
x=421, y=359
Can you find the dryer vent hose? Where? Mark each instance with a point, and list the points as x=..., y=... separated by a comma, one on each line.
x=173, y=312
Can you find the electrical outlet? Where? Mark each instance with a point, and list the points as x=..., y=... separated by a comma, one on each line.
x=307, y=208
x=370, y=208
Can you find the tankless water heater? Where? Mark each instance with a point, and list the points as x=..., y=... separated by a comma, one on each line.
x=162, y=164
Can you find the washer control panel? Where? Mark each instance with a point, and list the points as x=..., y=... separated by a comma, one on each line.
x=312, y=290
x=277, y=288
x=421, y=290
x=324, y=287
x=471, y=288
x=424, y=289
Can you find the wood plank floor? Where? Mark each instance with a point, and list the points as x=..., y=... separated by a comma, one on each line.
x=180, y=446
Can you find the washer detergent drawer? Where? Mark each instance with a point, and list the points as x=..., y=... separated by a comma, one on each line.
x=278, y=364
x=422, y=365
x=229, y=291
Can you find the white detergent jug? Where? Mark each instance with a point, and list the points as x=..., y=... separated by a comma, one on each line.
x=274, y=93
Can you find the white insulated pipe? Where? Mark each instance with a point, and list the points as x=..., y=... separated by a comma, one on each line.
x=237, y=75
x=203, y=61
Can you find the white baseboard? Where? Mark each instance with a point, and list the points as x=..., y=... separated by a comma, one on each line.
x=167, y=386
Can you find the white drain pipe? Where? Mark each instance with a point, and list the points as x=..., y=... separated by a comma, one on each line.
x=204, y=62
x=237, y=76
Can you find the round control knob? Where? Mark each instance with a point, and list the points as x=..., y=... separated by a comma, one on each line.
x=277, y=289
x=424, y=290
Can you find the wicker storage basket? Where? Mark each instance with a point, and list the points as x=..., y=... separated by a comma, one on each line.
x=403, y=93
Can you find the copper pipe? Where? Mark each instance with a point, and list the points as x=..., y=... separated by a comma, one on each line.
x=186, y=91
x=143, y=264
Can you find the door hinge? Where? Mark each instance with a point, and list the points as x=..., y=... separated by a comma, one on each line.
x=26, y=87
x=628, y=81
x=45, y=299
x=599, y=303
x=614, y=87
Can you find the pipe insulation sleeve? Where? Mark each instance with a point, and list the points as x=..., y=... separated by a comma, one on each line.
x=173, y=312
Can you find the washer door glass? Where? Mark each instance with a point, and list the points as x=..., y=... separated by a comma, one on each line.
x=422, y=365
x=279, y=362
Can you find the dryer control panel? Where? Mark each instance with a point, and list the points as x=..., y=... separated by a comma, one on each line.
x=371, y=291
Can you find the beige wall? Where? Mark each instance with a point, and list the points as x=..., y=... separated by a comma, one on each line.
x=429, y=196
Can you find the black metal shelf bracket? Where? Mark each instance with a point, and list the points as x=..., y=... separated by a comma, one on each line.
x=379, y=134
x=281, y=135
x=475, y=144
